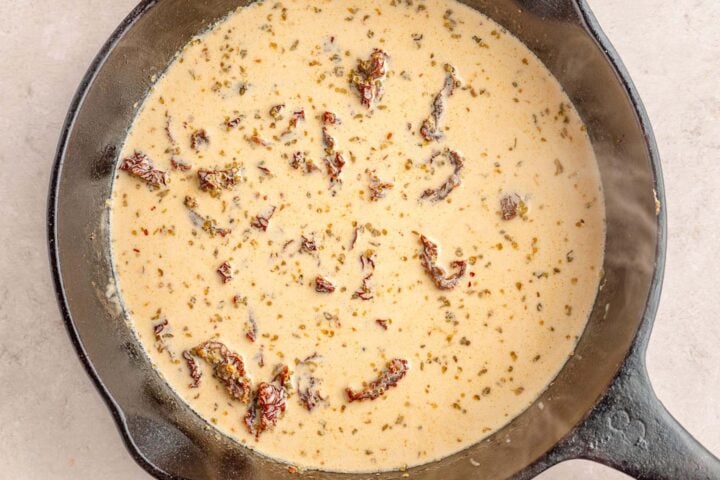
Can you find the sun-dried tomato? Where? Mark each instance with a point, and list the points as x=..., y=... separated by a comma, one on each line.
x=195, y=372
x=140, y=166
x=198, y=139
x=377, y=187
x=430, y=127
x=228, y=367
x=509, y=206
x=368, y=77
x=268, y=404
x=388, y=378
x=452, y=182
x=323, y=285
x=428, y=258
x=219, y=179
x=262, y=221
x=225, y=272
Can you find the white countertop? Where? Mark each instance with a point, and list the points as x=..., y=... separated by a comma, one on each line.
x=53, y=423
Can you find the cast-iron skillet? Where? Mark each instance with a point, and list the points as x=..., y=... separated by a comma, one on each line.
x=601, y=406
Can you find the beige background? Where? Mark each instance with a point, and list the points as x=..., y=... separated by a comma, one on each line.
x=53, y=423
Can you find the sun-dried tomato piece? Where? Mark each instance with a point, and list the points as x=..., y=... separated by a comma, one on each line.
x=328, y=141
x=430, y=127
x=377, y=187
x=180, y=164
x=329, y=118
x=231, y=123
x=308, y=385
x=195, y=372
x=160, y=335
x=251, y=329
x=228, y=367
x=364, y=292
x=276, y=110
x=225, y=271
x=383, y=323
x=140, y=166
x=308, y=245
x=219, y=179
x=428, y=258
x=368, y=77
x=262, y=221
x=509, y=206
x=367, y=260
x=198, y=139
x=268, y=404
x=452, y=182
x=207, y=223
x=335, y=164
x=388, y=378
x=323, y=285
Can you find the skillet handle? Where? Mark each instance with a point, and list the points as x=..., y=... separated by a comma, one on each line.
x=631, y=431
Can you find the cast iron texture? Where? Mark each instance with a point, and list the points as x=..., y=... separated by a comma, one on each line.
x=593, y=409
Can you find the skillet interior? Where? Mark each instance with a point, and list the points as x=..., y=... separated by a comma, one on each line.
x=163, y=434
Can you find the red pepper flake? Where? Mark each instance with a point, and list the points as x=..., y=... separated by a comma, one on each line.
x=323, y=285
x=329, y=118
x=430, y=128
x=368, y=77
x=268, y=404
x=262, y=221
x=198, y=139
x=389, y=377
x=228, y=367
x=453, y=181
x=180, y=164
x=140, y=166
x=195, y=372
x=383, y=323
x=225, y=271
x=428, y=258
x=377, y=187
x=219, y=179
x=509, y=206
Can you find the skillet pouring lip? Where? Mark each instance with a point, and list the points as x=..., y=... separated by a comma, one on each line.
x=591, y=27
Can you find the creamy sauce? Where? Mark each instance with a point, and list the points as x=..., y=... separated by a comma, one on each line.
x=479, y=353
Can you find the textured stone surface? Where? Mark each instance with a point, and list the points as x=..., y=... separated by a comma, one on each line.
x=55, y=425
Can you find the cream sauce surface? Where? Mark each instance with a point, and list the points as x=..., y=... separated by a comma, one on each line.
x=523, y=217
